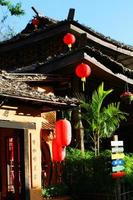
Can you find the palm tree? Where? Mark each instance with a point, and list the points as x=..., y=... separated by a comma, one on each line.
x=102, y=121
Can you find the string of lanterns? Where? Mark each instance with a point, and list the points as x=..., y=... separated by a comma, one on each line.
x=63, y=126
x=82, y=70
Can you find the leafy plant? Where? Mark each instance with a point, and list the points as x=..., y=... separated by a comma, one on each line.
x=86, y=174
x=14, y=9
x=102, y=121
x=55, y=191
x=129, y=168
x=10, y=9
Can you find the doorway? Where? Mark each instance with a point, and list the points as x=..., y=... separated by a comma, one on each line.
x=12, y=175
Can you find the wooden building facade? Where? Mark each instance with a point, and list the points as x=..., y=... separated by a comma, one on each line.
x=38, y=79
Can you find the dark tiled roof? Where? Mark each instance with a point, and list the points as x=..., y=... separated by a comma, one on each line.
x=18, y=89
x=48, y=23
x=101, y=36
x=111, y=63
x=114, y=66
x=29, y=30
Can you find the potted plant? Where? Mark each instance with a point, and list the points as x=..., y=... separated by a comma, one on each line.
x=127, y=96
x=56, y=192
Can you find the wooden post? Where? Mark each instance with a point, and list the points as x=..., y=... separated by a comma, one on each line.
x=115, y=137
x=71, y=14
x=118, y=188
x=26, y=162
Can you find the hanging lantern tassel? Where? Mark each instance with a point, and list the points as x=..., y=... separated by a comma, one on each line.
x=70, y=46
x=83, y=71
x=83, y=83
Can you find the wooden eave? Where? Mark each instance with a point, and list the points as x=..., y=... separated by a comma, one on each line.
x=118, y=50
x=68, y=62
x=21, y=40
x=42, y=104
x=15, y=87
x=101, y=70
x=75, y=55
x=90, y=31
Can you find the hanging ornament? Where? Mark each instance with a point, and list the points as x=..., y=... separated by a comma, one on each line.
x=35, y=22
x=127, y=96
x=83, y=71
x=63, y=132
x=69, y=39
x=58, y=152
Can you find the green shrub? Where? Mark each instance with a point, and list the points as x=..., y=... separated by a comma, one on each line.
x=85, y=173
x=55, y=191
x=129, y=169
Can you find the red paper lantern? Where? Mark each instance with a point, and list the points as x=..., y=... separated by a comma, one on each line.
x=69, y=39
x=126, y=94
x=63, y=132
x=118, y=174
x=35, y=22
x=58, y=152
x=83, y=71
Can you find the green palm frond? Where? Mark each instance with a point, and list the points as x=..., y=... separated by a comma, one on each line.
x=98, y=98
x=101, y=121
x=111, y=116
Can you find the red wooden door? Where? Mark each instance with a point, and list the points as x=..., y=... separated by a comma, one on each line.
x=11, y=164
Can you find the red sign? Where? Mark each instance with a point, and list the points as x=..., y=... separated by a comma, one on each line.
x=118, y=174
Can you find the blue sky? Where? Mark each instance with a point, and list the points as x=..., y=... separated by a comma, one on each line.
x=113, y=18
